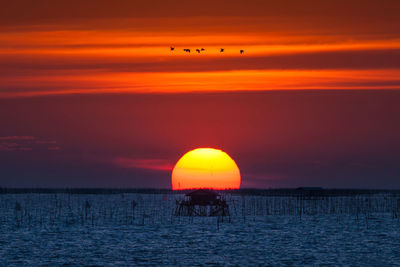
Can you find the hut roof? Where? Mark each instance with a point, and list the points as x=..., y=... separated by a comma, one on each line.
x=202, y=192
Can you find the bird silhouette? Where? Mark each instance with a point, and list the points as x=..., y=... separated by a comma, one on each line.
x=198, y=50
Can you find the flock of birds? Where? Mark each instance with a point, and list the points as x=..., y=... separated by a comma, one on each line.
x=199, y=50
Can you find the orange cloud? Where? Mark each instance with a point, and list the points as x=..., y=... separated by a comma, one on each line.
x=307, y=45
x=219, y=81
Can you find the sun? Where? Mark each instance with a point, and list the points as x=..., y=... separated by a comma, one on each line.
x=205, y=168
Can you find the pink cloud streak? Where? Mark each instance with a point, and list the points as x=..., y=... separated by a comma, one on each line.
x=149, y=164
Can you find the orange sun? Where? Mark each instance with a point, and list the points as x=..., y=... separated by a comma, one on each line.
x=205, y=168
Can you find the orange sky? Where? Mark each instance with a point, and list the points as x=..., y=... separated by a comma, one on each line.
x=90, y=90
x=96, y=47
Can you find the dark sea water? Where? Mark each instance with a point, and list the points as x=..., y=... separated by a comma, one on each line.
x=107, y=230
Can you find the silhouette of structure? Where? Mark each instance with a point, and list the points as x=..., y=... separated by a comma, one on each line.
x=202, y=202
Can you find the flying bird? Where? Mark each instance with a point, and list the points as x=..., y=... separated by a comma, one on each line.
x=198, y=50
x=186, y=50
x=202, y=49
x=241, y=51
x=172, y=48
x=222, y=50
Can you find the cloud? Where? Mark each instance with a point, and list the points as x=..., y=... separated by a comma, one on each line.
x=224, y=81
x=149, y=164
x=15, y=137
x=5, y=146
x=45, y=142
x=368, y=16
x=49, y=48
x=349, y=68
x=258, y=58
x=25, y=143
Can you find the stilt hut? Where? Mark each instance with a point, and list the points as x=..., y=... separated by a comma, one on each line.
x=202, y=202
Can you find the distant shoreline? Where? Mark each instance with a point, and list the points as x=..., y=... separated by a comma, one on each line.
x=314, y=191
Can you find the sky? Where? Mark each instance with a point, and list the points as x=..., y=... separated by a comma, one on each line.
x=92, y=96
